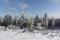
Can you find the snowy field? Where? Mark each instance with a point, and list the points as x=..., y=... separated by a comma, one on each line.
x=19, y=35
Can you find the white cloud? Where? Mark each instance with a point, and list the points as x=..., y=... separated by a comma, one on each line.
x=12, y=9
x=23, y=6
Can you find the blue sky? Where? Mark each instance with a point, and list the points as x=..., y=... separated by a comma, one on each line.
x=51, y=7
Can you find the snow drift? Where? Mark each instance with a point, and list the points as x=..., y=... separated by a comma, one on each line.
x=19, y=35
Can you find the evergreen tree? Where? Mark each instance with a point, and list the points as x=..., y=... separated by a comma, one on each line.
x=46, y=20
x=53, y=22
x=7, y=20
x=1, y=20
x=36, y=20
x=15, y=21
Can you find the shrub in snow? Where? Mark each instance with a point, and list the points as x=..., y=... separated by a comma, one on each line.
x=2, y=28
x=31, y=28
x=10, y=27
x=25, y=30
x=39, y=27
x=13, y=27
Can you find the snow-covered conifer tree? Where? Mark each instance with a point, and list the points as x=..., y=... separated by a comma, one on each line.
x=46, y=20
x=7, y=20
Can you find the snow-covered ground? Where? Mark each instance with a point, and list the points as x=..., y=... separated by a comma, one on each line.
x=18, y=35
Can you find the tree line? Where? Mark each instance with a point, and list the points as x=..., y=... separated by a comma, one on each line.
x=26, y=21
